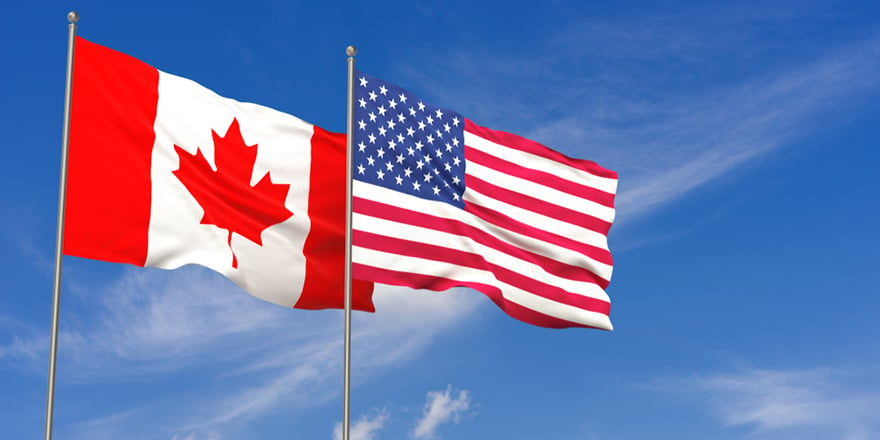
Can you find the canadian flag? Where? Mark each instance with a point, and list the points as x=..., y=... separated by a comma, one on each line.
x=163, y=172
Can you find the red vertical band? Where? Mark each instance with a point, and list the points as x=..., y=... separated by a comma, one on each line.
x=325, y=259
x=111, y=141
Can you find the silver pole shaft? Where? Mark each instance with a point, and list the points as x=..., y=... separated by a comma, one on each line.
x=351, y=51
x=73, y=18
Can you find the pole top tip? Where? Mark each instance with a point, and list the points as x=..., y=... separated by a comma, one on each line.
x=351, y=51
x=73, y=17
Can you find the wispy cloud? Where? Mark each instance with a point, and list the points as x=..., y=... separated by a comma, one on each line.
x=441, y=408
x=154, y=324
x=671, y=107
x=22, y=344
x=365, y=427
x=785, y=403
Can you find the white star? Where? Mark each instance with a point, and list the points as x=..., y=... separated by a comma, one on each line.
x=446, y=127
x=382, y=110
x=402, y=98
x=361, y=146
x=421, y=106
x=417, y=186
x=410, y=151
x=419, y=145
x=439, y=154
x=456, y=160
x=373, y=95
x=428, y=177
x=391, y=144
x=401, y=117
x=399, y=138
x=372, y=117
x=455, y=121
x=430, y=139
x=362, y=125
x=362, y=103
x=420, y=164
x=391, y=124
x=399, y=180
x=436, y=190
x=421, y=126
x=392, y=104
x=455, y=141
x=372, y=138
x=380, y=174
x=455, y=196
x=439, y=114
x=456, y=180
x=363, y=81
x=389, y=166
x=439, y=133
x=361, y=169
x=407, y=172
x=382, y=131
x=447, y=166
x=381, y=153
x=448, y=147
x=400, y=158
x=430, y=120
x=383, y=90
x=370, y=160
x=410, y=132
x=412, y=111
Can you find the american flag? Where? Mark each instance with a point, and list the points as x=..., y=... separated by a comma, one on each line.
x=440, y=202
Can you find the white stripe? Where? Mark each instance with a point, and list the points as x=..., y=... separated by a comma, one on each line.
x=440, y=209
x=541, y=192
x=540, y=163
x=531, y=270
x=460, y=274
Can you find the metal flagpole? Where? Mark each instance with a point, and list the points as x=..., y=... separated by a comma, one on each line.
x=73, y=18
x=351, y=51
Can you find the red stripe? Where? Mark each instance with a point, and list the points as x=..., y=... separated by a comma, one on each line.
x=537, y=205
x=111, y=143
x=325, y=245
x=475, y=155
x=402, y=215
x=466, y=259
x=506, y=222
x=530, y=146
x=418, y=281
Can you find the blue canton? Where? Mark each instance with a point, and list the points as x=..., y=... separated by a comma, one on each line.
x=405, y=144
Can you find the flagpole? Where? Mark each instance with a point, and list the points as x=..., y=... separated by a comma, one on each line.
x=72, y=18
x=351, y=51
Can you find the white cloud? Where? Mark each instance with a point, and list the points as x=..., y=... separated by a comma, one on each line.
x=811, y=403
x=165, y=325
x=672, y=108
x=365, y=427
x=24, y=346
x=440, y=408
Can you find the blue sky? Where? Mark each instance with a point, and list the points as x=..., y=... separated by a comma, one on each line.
x=744, y=297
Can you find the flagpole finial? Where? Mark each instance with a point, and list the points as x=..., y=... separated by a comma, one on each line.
x=351, y=51
x=73, y=17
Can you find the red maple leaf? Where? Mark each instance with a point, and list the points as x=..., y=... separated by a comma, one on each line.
x=228, y=199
